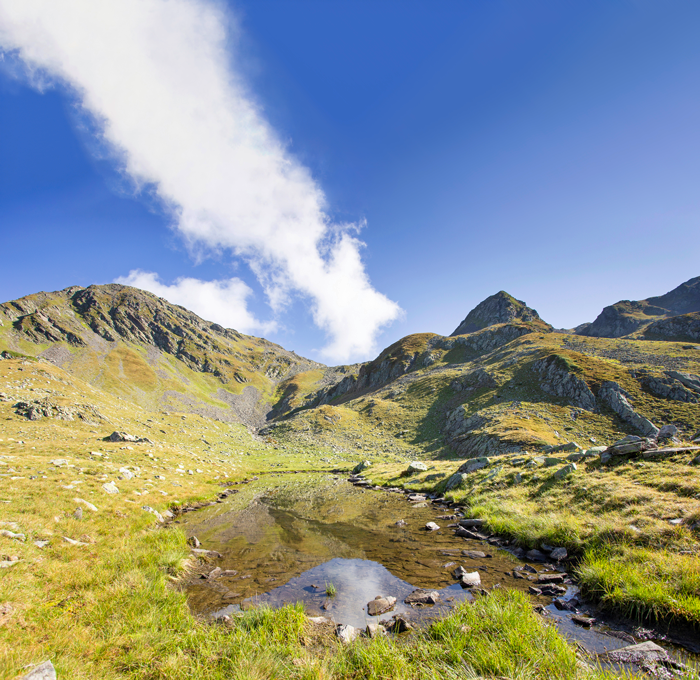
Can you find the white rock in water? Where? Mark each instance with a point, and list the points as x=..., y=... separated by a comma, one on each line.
x=110, y=487
x=431, y=526
x=471, y=578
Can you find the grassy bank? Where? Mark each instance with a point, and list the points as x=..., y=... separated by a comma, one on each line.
x=120, y=617
x=632, y=527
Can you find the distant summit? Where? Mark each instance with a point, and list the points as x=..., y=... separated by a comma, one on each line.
x=499, y=308
x=630, y=316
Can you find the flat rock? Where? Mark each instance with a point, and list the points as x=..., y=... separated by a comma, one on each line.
x=551, y=589
x=319, y=620
x=431, y=526
x=380, y=605
x=421, y=596
x=536, y=556
x=206, y=553
x=44, y=671
x=415, y=466
x=642, y=652
x=583, y=620
x=110, y=487
x=474, y=554
x=472, y=522
x=551, y=578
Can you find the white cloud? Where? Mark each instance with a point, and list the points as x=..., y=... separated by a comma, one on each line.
x=159, y=80
x=223, y=302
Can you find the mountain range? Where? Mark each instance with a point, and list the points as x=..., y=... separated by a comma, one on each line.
x=504, y=380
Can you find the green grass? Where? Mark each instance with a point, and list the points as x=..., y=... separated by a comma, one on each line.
x=643, y=583
x=331, y=590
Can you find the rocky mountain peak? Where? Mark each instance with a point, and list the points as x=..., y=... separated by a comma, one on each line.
x=630, y=316
x=498, y=308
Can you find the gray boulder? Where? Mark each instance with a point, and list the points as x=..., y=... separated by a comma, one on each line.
x=421, y=596
x=455, y=481
x=414, y=467
x=474, y=464
x=668, y=432
x=564, y=471
x=361, y=466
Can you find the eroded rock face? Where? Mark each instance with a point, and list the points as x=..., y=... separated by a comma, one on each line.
x=617, y=399
x=628, y=316
x=498, y=308
x=681, y=328
x=668, y=387
x=556, y=379
x=465, y=435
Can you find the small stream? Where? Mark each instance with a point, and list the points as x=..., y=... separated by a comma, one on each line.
x=290, y=538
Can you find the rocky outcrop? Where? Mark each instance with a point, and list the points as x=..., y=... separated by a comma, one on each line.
x=465, y=434
x=623, y=318
x=473, y=380
x=682, y=328
x=681, y=300
x=45, y=408
x=618, y=400
x=490, y=338
x=497, y=309
x=628, y=316
x=673, y=385
x=557, y=379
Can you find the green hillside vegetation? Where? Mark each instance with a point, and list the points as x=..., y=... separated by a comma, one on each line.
x=216, y=407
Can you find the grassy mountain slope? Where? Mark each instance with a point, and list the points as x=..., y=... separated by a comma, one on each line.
x=133, y=344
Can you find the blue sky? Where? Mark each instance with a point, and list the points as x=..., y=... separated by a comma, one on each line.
x=549, y=149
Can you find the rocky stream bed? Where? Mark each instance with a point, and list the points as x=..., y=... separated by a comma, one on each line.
x=373, y=560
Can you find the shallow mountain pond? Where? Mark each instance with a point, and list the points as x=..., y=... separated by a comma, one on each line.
x=317, y=539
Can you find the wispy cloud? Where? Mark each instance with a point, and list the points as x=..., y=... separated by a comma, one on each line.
x=160, y=82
